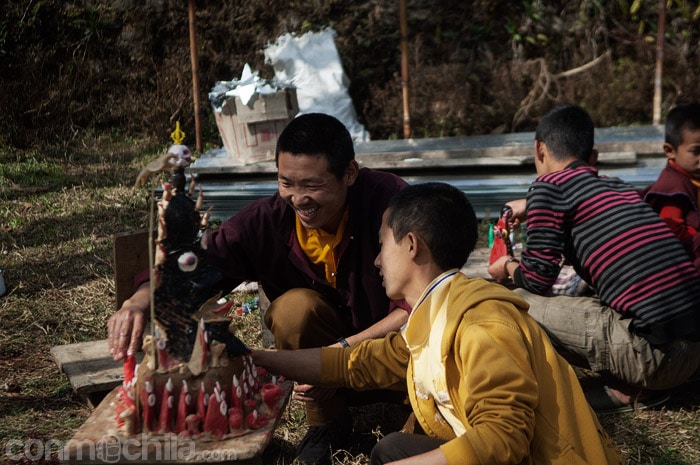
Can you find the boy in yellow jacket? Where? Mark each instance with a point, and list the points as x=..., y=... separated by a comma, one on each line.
x=485, y=383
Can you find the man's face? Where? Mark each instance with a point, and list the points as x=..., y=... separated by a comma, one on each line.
x=392, y=261
x=315, y=194
x=687, y=155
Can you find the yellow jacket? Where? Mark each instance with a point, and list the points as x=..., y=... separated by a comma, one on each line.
x=521, y=402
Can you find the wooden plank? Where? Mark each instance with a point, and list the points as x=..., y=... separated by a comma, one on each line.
x=89, y=366
x=98, y=442
x=426, y=159
x=617, y=158
x=130, y=256
x=486, y=150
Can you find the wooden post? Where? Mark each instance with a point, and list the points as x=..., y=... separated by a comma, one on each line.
x=658, y=74
x=195, y=78
x=404, y=69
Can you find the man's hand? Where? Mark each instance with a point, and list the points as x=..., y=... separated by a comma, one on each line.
x=125, y=327
x=124, y=332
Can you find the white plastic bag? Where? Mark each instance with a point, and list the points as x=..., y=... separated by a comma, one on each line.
x=312, y=64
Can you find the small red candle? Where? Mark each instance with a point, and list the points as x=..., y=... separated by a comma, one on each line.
x=236, y=393
x=202, y=402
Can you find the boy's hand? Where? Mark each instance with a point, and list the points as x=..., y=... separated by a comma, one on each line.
x=309, y=393
x=499, y=269
x=519, y=212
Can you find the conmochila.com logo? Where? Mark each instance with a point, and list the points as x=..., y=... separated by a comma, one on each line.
x=109, y=449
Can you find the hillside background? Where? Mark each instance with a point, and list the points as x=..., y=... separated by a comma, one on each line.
x=123, y=66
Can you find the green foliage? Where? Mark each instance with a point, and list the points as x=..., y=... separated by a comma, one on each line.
x=4, y=31
x=30, y=171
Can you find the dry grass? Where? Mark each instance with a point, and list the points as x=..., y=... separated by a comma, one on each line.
x=58, y=211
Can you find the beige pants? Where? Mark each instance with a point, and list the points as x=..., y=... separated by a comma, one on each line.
x=302, y=318
x=595, y=336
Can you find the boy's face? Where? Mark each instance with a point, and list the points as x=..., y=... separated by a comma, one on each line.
x=687, y=154
x=316, y=195
x=393, y=261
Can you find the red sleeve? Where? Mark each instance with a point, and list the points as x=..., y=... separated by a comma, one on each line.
x=402, y=304
x=142, y=277
x=674, y=217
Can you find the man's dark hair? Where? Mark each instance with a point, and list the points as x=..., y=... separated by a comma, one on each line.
x=318, y=134
x=441, y=215
x=567, y=130
x=684, y=116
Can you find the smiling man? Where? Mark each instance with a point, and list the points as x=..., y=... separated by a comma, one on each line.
x=311, y=246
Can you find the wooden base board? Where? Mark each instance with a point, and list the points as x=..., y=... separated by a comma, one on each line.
x=90, y=369
x=98, y=442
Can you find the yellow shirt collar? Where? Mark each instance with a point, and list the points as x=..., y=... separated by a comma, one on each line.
x=319, y=246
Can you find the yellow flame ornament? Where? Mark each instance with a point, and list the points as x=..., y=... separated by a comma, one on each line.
x=177, y=135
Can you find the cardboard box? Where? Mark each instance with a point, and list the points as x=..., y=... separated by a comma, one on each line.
x=249, y=132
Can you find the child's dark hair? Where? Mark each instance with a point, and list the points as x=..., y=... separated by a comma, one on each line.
x=567, y=130
x=684, y=116
x=318, y=134
x=441, y=215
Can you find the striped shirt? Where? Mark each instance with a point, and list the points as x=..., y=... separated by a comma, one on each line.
x=617, y=244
